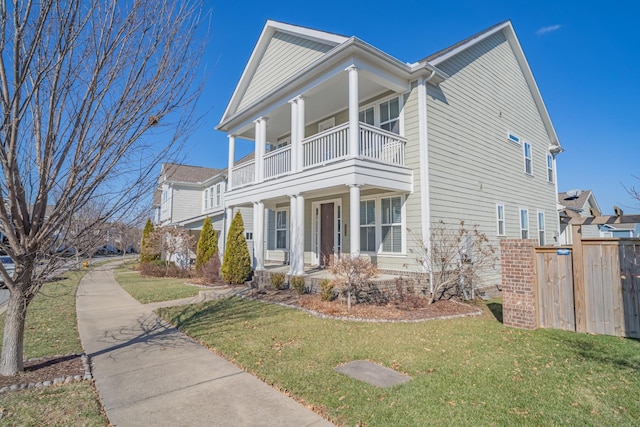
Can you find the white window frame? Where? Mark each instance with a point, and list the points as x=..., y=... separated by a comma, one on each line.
x=528, y=160
x=285, y=229
x=393, y=224
x=211, y=197
x=513, y=138
x=373, y=225
x=524, y=228
x=376, y=112
x=218, y=196
x=165, y=199
x=541, y=228
x=378, y=224
x=206, y=198
x=550, y=169
x=500, y=220
x=282, y=142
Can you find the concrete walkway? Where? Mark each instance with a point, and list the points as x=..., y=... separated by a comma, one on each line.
x=149, y=373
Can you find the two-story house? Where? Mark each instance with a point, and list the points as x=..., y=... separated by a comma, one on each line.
x=359, y=153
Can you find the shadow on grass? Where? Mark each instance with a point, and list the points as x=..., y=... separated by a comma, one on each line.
x=496, y=310
x=621, y=353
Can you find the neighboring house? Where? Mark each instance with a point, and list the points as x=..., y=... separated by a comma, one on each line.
x=620, y=230
x=186, y=195
x=357, y=152
x=574, y=204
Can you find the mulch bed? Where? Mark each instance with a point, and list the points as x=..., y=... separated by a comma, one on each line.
x=411, y=309
x=52, y=368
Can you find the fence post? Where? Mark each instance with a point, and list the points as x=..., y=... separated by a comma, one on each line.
x=578, y=279
x=519, y=296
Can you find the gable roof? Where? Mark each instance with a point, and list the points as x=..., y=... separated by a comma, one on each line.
x=174, y=172
x=580, y=202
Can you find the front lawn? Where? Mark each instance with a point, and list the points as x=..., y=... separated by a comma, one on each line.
x=468, y=371
x=51, y=329
x=153, y=289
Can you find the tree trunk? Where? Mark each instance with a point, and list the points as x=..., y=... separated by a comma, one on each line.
x=13, y=341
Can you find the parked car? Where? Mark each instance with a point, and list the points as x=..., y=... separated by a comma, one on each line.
x=8, y=264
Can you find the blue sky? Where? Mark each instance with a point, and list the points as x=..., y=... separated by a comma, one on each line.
x=584, y=55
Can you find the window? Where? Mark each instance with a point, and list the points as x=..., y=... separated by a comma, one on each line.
x=513, y=137
x=524, y=223
x=500, y=219
x=281, y=229
x=391, y=222
x=218, y=193
x=282, y=142
x=390, y=115
x=549, y=168
x=248, y=235
x=367, y=116
x=165, y=197
x=211, y=196
x=541, y=240
x=368, y=225
x=326, y=124
x=206, y=198
x=528, y=169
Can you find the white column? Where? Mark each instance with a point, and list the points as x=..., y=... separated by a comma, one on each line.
x=354, y=218
x=232, y=154
x=293, y=238
x=299, y=271
x=299, y=159
x=258, y=234
x=261, y=141
x=354, y=127
x=295, y=145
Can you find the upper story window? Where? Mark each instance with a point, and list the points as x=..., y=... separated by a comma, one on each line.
x=550, y=168
x=500, y=224
x=528, y=159
x=213, y=196
x=206, y=198
x=218, y=194
x=165, y=199
x=524, y=223
x=513, y=137
x=385, y=115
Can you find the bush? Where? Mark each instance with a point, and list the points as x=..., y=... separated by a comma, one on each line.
x=147, y=251
x=236, y=267
x=159, y=268
x=207, y=245
x=277, y=281
x=326, y=290
x=297, y=283
x=211, y=270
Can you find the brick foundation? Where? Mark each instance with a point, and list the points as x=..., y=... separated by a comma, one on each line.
x=519, y=308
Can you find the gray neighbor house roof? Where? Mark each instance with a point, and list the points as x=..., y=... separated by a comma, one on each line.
x=175, y=172
x=577, y=203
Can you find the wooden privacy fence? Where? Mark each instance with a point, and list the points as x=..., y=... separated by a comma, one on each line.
x=592, y=286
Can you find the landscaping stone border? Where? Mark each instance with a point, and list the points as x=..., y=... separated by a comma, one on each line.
x=54, y=381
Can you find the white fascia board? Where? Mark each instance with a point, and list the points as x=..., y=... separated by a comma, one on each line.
x=267, y=32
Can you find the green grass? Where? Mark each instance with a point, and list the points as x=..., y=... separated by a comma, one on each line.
x=153, y=289
x=469, y=371
x=51, y=329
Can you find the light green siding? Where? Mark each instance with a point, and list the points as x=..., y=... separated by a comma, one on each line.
x=284, y=56
x=472, y=165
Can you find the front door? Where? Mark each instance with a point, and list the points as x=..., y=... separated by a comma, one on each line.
x=326, y=234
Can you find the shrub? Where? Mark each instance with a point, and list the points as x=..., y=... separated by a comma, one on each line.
x=297, y=283
x=277, y=281
x=211, y=270
x=326, y=290
x=207, y=245
x=236, y=267
x=159, y=268
x=147, y=251
x=351, y=274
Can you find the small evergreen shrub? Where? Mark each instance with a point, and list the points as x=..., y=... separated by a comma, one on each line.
x=326, y=290
x=297, y=283
x=207, y=245
x=277, y=281
x=147, y=251
x=236, y=266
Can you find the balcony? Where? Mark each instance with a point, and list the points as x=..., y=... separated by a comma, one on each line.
x=323, y=148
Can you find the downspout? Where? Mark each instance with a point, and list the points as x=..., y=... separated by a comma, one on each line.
x=423, y=139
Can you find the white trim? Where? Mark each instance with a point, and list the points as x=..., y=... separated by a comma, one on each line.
x=504, y=220
x=423, y=141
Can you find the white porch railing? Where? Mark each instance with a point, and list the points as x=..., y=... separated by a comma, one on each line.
x=243, y=174
x=277, y=162
x=379, y=144
x=326, y=146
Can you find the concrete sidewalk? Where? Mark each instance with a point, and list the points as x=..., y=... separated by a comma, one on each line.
x=149, y=373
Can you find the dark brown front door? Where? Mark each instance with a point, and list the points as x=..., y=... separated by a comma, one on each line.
x=326, y=234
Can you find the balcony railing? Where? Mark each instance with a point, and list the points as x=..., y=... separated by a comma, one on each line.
x=332, y=144
x=244, y=174
x=277, y=162
x=379, y=144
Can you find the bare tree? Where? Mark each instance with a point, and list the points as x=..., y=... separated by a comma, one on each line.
x=457, y=257
x=352, y=274
x=92, y=95
x=175, y=244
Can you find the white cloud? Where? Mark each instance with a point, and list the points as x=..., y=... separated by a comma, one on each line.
x=545, y=30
